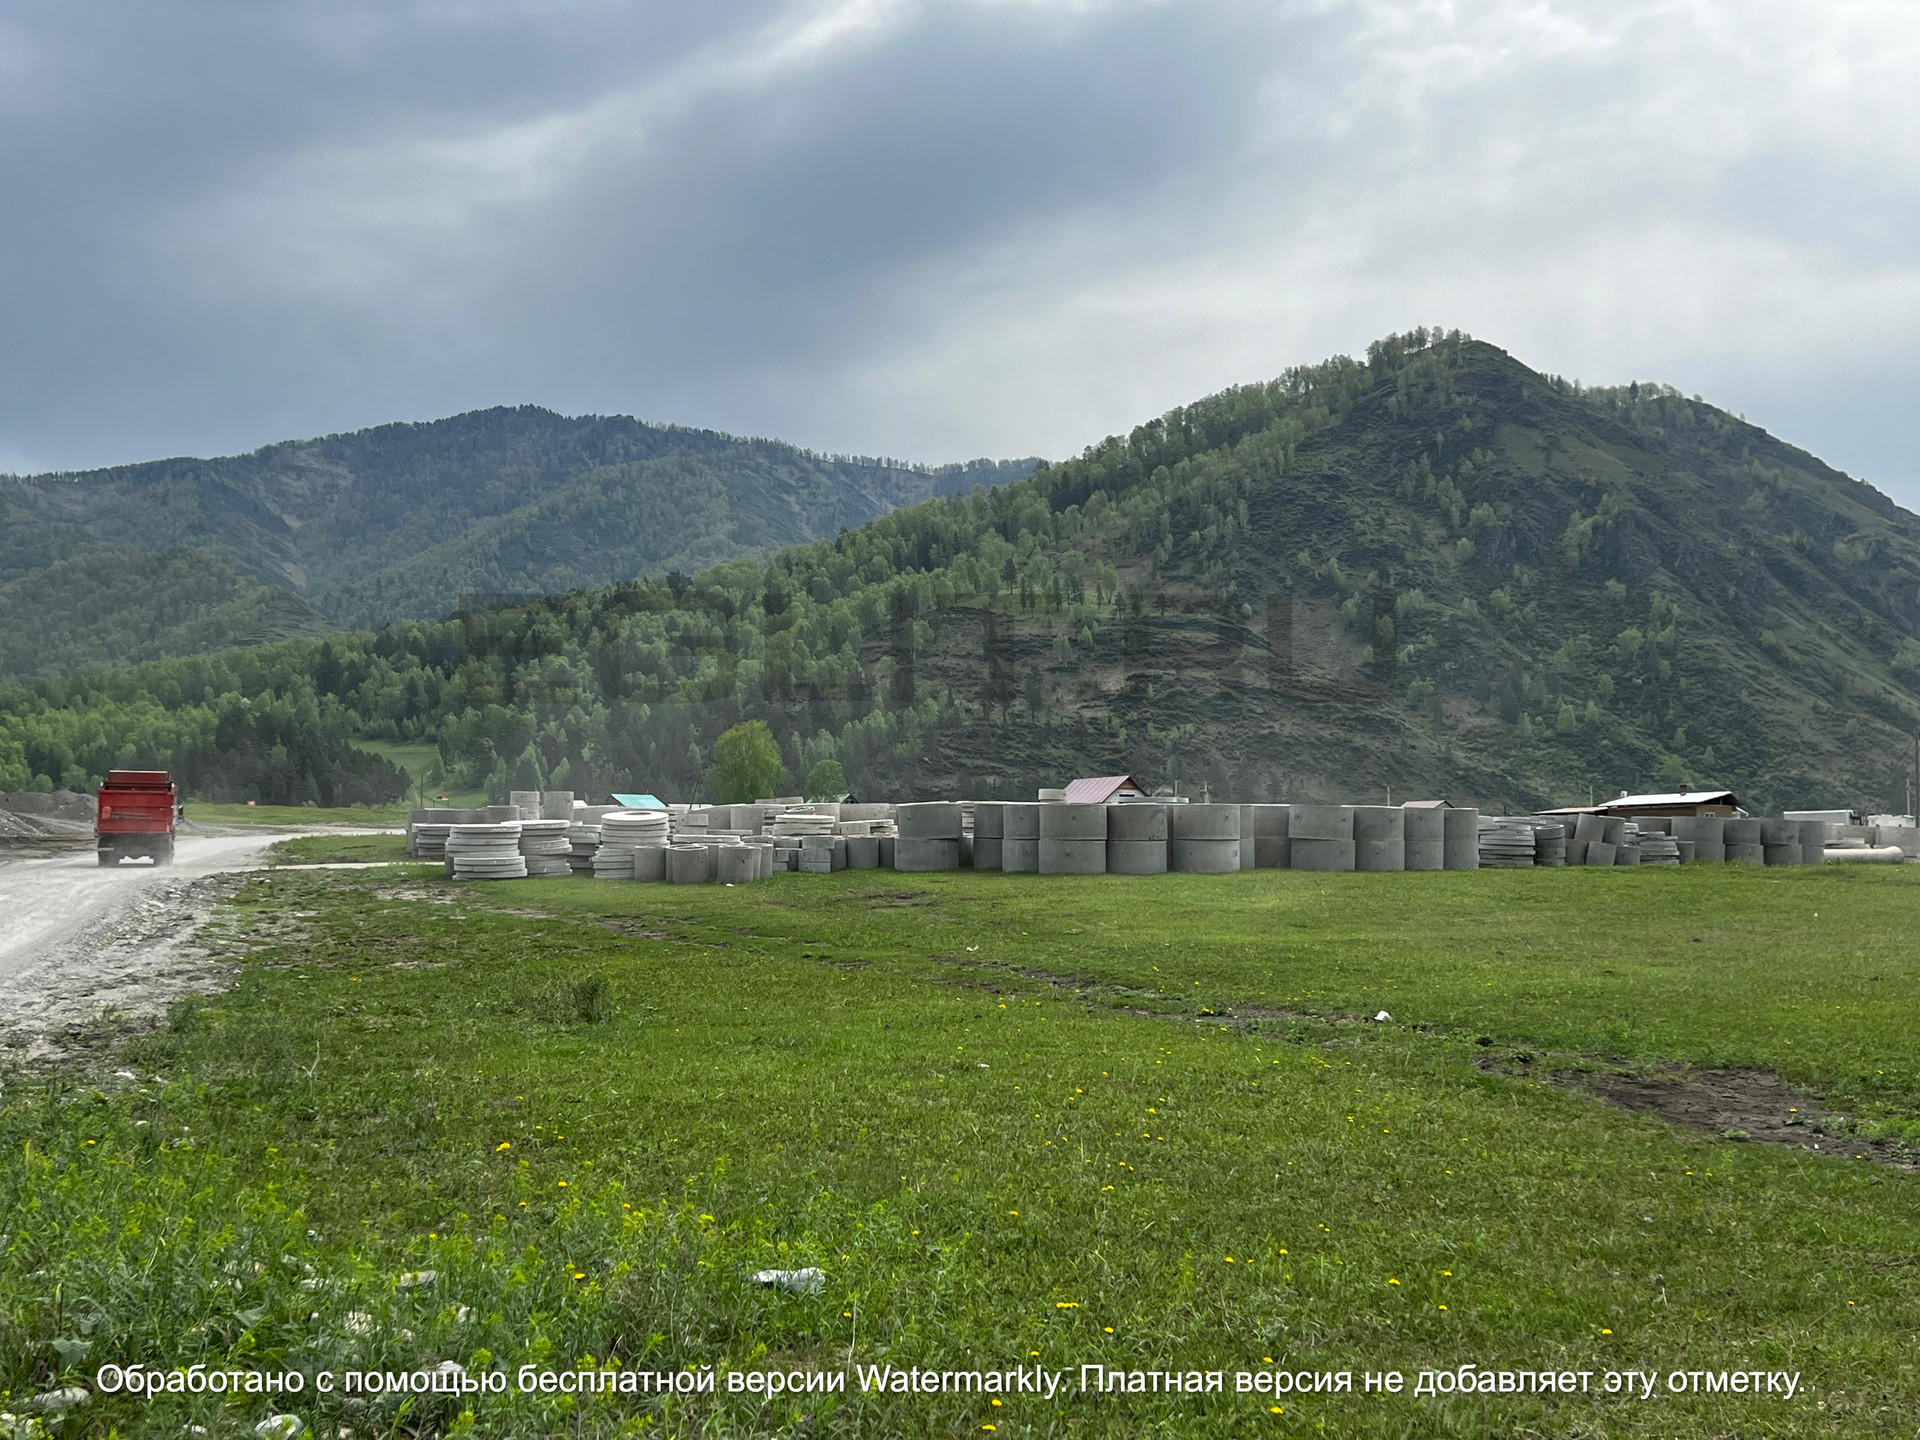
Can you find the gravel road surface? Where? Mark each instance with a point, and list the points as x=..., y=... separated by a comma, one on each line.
x=77, y=938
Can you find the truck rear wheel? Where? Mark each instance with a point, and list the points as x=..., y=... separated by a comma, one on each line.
x=107, y=857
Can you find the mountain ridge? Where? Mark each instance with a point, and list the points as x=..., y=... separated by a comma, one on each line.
x=339, y=523
x=1433, y=570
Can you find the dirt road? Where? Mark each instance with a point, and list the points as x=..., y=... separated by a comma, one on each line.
x=76, y=938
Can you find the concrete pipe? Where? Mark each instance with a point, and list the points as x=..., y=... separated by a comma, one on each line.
x=989, y=821
x=1779, y=832
x=1707, y=830
x=1206, y=857
x=1271, y=832
x=986, y=852
x=1423, y=825
x=1626, y=854
x=934, y=821
x=1577, y=851
x=1322, y=855
x=1426, y=855
x=1137, y=823
x=1273, y=822
x=923, y=853
x=1616, y=830
x=1072, y=857
x=525, y=803
x=1868, y=855
x=1021, y=857
x=1320, y=822
x=1781, y=854
x=1072, y=822
x=1379, y=838
x=1588, y=828
x=1599, y=852
x=1742, y=831
x=1747, y=854
x=1813, y=842
x=1206, y=822
x=1272, y=852
x=863, y=852
x=1020, y=821
x=1905, y=837
x=1707, y=852
x=687, y=865
x=737, y=866
x=1689, y=850
x=1136, y=857
x=1379, y=822
x=1246, y=837
x=1379, y=855
x=650, y=862
x=1463, y=839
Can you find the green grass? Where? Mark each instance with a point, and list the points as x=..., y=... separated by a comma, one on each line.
x=209, y=814
x=416, y=759
x=592, y=1110
x=321, y=849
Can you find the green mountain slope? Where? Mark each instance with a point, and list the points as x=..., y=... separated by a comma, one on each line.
x=1436, y=572
x=407, y=520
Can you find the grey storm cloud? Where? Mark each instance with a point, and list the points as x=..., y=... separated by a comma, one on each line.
x=937, y=229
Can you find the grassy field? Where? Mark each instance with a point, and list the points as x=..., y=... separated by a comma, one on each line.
x=417, y=760
x=1016, y=1121
x=203, y=813
x=321, y=849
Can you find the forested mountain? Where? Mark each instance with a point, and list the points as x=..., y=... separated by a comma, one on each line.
x=1435, y=572
x=404, y=521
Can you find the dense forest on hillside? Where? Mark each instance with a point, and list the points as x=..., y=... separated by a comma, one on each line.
x=405, y=521
x=1434, y=572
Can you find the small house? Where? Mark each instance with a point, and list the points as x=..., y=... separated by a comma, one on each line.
x=1103, y=790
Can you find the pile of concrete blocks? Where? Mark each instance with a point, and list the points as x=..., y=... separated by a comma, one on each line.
x=545, y=846
x=622, y=834
x=486, y=851
x=929, y=836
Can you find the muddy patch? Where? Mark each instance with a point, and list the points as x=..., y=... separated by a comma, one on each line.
x=118, y=978
x=997, y=978
x=1740, y=1105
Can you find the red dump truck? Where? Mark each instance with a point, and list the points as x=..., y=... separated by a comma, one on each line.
x=139, y=810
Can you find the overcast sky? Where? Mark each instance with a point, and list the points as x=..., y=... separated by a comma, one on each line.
x=937, y=230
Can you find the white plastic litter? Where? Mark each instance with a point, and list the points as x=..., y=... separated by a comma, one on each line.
x=809, y=1281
